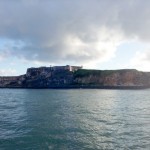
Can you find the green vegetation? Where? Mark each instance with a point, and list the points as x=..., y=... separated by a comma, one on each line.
x=86, y=72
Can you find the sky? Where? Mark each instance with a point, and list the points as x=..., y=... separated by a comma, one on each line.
x=95, y=34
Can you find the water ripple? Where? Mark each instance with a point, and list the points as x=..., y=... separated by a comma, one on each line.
x=74, y=119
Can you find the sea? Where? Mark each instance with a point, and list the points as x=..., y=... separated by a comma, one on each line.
x=74, y=119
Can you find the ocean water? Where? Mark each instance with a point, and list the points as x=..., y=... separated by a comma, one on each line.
x=46, y=119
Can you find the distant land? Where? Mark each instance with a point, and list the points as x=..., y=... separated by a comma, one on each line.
x=76, y=77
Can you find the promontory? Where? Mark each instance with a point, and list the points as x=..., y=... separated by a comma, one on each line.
x=76, y=77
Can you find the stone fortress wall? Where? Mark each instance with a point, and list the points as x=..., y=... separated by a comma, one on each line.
x=44, y=70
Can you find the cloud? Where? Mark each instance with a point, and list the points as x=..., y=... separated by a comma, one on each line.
x=4, y=54
x=74, y=32
x=141, y=60
x=10, y=72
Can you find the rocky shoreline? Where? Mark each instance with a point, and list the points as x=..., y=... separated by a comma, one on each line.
x=73, y=77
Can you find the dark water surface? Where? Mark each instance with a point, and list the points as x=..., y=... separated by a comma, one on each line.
x=74, y=119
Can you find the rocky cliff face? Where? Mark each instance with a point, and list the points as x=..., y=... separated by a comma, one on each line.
x=45, y=77
x=112, y=78
x=14, y=81
x=57, y=78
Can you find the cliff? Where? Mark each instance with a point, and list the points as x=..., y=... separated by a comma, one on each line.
x=67, y=77
x=113, y=78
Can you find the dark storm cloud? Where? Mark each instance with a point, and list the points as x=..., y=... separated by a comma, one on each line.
x=57, y=31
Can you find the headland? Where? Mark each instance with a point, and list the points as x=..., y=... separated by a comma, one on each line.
x=77, y=77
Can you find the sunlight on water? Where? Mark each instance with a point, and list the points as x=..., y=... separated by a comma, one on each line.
x=74, y=119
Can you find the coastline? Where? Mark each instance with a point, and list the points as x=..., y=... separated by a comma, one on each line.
x=84, y=87
x=73, y=77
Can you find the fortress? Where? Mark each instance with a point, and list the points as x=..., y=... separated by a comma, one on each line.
x=45, y=70
x=76, y=77
x=67, y=67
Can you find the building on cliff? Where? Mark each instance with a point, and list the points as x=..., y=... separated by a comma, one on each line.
x=67, y=67
x=45, y=70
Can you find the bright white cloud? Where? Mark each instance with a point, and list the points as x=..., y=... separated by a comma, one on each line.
x=10, y=72
x=141, y=60
x=89, y=53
